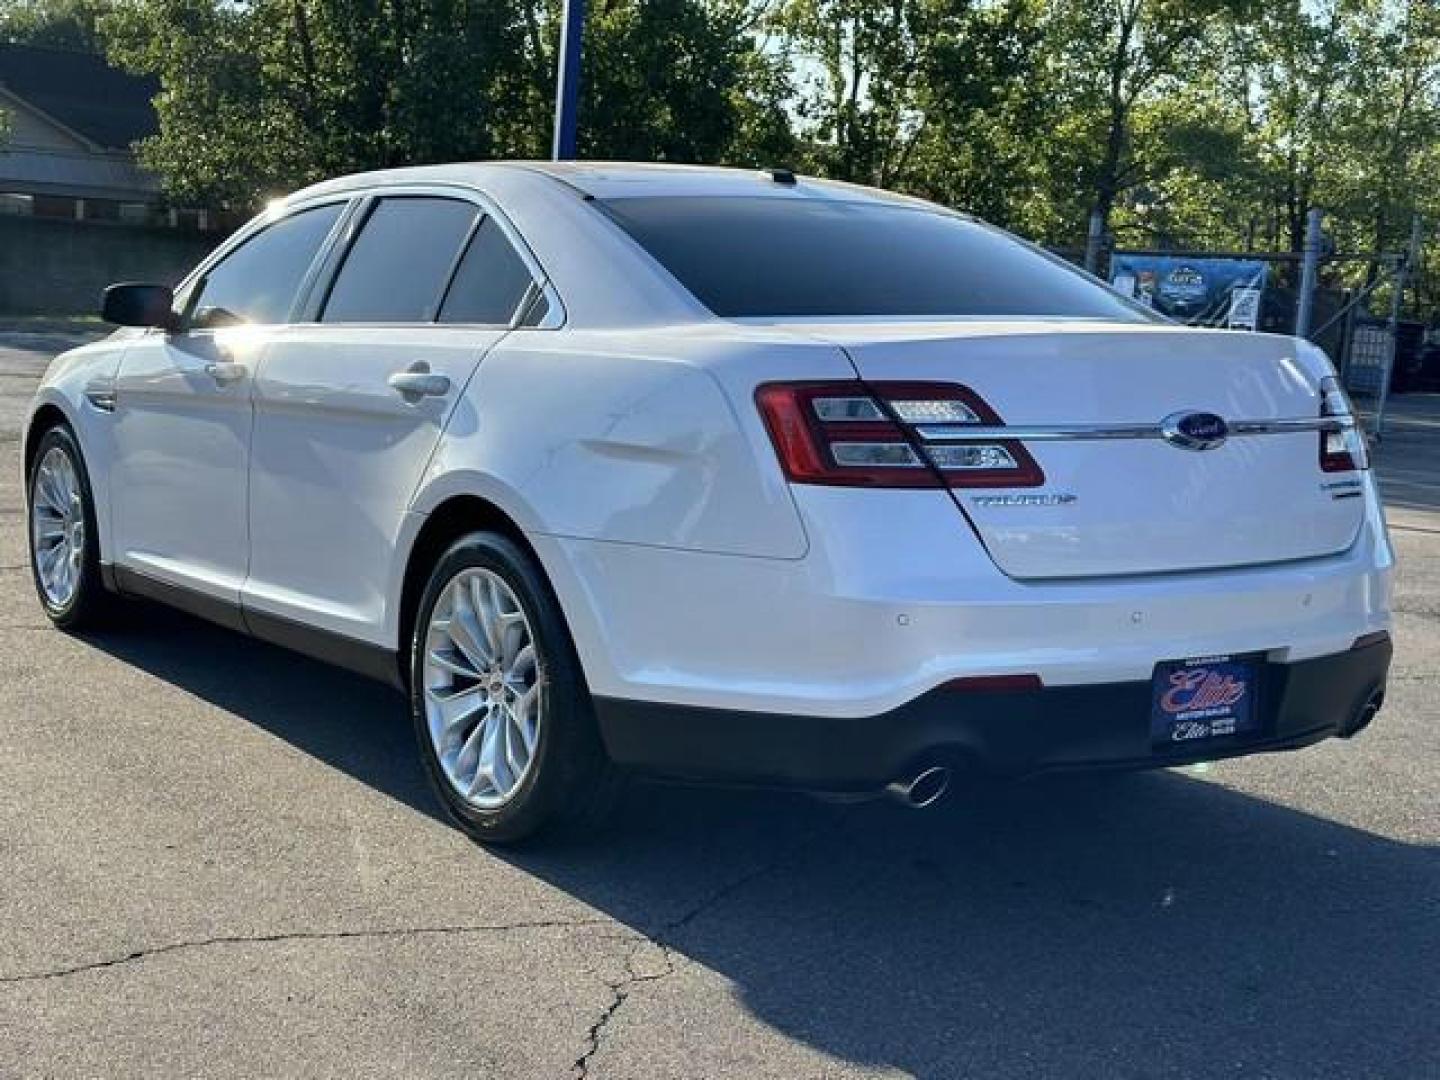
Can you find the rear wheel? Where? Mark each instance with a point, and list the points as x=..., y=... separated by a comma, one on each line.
x=500, y=707
x=64, y=542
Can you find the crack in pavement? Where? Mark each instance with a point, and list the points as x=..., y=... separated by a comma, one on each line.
x=140, y=955
x=619, y=992
x=621, y=989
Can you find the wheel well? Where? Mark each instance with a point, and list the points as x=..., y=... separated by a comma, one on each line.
x=46, y=417
x=445, y=524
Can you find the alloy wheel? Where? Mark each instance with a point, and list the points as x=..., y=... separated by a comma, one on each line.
x=482, y=688
x=57, y=527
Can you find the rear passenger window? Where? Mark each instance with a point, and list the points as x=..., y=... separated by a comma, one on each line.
x=490, y=283
x=398, y=266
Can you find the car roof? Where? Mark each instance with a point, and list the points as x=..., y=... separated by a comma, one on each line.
x=603, y=277
x=618, y=179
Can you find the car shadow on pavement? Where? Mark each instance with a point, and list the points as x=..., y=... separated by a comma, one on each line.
x=354, y=724
x=1118, y=926
x=1138, y=925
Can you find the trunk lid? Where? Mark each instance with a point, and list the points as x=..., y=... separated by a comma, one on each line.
x=1132, y=505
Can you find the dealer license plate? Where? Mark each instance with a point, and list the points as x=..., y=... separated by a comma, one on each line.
x=1202, y=699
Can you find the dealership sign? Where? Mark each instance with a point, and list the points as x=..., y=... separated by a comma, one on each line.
x=1198, y=291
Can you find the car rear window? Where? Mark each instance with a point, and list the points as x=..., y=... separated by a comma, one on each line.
x=490, y=281
x=771, y=257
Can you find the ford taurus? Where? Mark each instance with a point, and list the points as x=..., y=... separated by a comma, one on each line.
x=719, y=475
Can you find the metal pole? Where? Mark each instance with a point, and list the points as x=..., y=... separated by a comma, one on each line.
x=1309, y=273
x=1403, y=270
x=1094, y=241
x=567, y=80
x=1347, y=334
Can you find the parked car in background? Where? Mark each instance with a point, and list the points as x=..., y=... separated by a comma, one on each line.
x=720, y=475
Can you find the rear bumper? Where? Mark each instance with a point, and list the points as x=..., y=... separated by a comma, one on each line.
x=894, y=600
x=1103, y=725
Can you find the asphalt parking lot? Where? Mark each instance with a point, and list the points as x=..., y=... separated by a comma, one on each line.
x=220, y=859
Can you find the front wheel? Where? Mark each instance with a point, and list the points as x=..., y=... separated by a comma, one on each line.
x=64, y=542
x=500, y=707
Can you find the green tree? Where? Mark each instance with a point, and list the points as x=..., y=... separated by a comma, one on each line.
x=267, y=95
x=661, y=80
x=1288, y=69
x=1342, y=99
x=1390, y=118
x=1201, y=176
x=1183, y=122
x=57, y=24
x=986, y=91
x=858, y=97
x=264, y=95
x=1119, y=58
x=929, y=96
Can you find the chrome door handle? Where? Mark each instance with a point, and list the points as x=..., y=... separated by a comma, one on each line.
x=225, y=371
x=419, y=381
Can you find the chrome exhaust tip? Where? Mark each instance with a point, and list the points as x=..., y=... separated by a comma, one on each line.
x=923, y=789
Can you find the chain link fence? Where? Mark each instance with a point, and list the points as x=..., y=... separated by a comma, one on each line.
x=1376, y=352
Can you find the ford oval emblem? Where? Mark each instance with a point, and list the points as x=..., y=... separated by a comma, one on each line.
x=1194, y=430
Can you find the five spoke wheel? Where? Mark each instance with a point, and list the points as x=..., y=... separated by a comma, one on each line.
x=482, y=688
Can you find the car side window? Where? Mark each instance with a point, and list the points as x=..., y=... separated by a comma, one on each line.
x=490, y=282
x=398, y=266
x=257, y=282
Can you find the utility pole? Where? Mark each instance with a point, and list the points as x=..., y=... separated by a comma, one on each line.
x=567, y=80
x=1309, y=272
x=1403, y=270
x=1094, y=241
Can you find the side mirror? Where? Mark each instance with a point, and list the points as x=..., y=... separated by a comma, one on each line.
x=140, y=305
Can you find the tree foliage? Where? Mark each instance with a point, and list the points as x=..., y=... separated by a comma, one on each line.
x=1182, y=122
x=264, y=95
x=56, y=24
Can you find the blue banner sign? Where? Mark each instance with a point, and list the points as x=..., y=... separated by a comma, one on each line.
x=1198, y=291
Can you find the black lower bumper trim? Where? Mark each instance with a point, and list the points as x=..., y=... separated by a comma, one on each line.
x=1002, y=733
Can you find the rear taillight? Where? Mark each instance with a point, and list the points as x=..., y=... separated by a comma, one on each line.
x=1343, y=450
x=864, y=435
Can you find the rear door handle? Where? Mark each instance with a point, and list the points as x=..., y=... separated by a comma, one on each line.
x=225, y=371
x=419, y=381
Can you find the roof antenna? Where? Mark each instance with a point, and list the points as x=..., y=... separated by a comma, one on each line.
x=781, y=176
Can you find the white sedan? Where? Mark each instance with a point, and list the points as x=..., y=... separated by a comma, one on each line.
x=719, y=475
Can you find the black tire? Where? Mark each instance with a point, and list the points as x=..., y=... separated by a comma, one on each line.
x=571, y=786
x=91, y=603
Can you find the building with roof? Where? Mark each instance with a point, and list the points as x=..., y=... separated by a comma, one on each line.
x=73, y=123
x=76, y=210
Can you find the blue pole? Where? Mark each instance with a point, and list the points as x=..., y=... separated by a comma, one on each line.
x=567, y=82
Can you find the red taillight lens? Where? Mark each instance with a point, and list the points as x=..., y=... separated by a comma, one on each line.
x=866, y=435
x=1345, y=450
